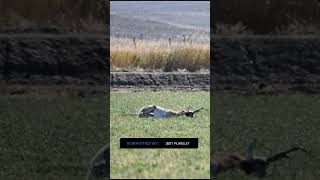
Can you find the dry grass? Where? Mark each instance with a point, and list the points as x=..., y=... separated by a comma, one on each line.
x=71, y=14
x=159, y=55
x=232, y=29
x=294, y=28
x=265, y=16
x=298, y=28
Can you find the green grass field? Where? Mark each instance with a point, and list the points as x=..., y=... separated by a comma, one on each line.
x=54, y=137
x=159, y=163
x=50, y=136
x=277, y=122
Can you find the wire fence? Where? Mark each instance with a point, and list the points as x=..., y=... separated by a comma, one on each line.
x=170, y=39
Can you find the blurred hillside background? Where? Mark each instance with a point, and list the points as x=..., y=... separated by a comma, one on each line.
x=230, y=16
x=156, y=19
x=71, y=15
x=267, y=17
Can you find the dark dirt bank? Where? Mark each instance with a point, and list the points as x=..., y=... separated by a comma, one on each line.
x=266, y=64
x=160, y=81
x=247, y=65
x=53, y=59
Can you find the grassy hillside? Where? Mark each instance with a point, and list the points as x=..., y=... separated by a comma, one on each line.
x=186, y=14
x=133, y=27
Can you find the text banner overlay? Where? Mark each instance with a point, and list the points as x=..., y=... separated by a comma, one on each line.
x=159, y=143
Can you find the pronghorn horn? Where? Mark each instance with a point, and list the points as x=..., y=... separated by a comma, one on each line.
x=284, y=154
x=251, y=149
x=188, y=110
x=191, y=113
x=198, y=110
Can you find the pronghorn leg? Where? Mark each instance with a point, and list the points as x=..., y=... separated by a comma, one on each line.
x=251, y=149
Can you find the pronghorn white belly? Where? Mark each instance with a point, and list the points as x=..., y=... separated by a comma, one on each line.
x=160, y=112
x=153, y=111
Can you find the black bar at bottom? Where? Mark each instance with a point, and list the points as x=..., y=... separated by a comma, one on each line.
x=159, y=143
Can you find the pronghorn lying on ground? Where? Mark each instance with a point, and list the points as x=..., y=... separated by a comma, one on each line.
x=160, y=112
x=251, y=164
x=99, y=165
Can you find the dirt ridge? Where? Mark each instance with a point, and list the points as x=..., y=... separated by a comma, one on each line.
x=249, y=65
x=158, y=81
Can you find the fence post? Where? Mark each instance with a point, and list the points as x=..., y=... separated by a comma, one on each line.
x=118, y=37
x=134, y=42
x=170, y=41
x=141, y=37
x=184, y=39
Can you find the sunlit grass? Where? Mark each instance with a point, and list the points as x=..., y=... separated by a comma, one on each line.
x=159, y=163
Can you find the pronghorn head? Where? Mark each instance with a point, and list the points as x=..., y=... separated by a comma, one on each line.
x=252, y=164
x=190, y=114
x=256, y=167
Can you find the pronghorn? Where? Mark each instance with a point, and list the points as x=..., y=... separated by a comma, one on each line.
x=251, y=164
x=99, y=165
x=160, y=112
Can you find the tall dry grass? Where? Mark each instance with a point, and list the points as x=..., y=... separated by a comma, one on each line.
x=268, y=16
x=159, y=55
x=292, y=29
x=72, y=14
